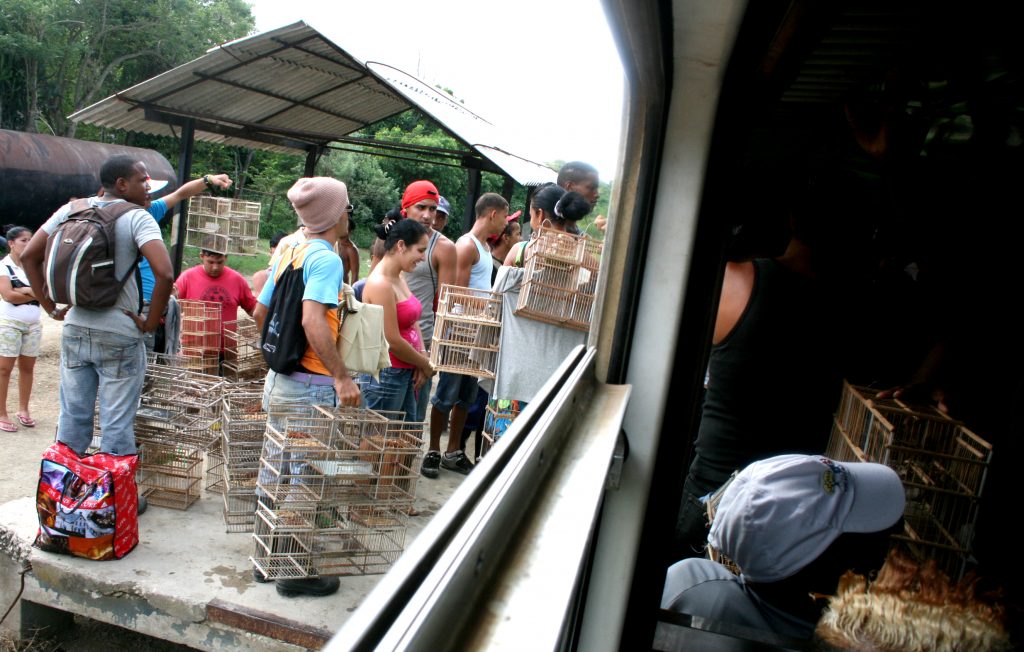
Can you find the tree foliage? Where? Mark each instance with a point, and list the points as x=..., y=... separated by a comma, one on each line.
x=59, y=56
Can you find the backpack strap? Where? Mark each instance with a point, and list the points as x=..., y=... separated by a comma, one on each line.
x=430, y=260
x=110, y=214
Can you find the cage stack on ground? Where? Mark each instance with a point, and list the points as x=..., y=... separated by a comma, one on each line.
x=243, y=360
x=226, y=225
x=200, y=335
x=943, y=466
x=243, y=425
x=560, y=280
x=177, y=424
x=467, y=331
x=335, y=489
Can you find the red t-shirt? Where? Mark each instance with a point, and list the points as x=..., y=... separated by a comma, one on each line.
x=230, y=290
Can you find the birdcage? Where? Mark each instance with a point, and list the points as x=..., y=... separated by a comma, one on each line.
x=201, y=334
x=170, y=475
x=283, y=540
x=359, y=539
x=560, y=279
x=943, y=466
x=467, y=331
x=243, y=359
x=213, y=469
x=498, y=416
x=229, y=226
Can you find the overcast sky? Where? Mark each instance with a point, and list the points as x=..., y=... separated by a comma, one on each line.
x=544, y=71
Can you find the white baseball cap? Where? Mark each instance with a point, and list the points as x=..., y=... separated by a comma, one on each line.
x=780, y=514
x=156, y=185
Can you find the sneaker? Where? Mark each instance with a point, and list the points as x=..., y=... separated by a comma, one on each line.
x=259, y=577
x=457, y=462
x=143, y=506
x=431, y=462
x=314, y=586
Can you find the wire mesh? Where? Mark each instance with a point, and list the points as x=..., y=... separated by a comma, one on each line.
x=243, y=359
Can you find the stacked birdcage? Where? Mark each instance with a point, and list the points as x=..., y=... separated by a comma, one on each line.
x=228, y=226
x=200, y=335
x=467, y=331
x=560, y=279
x=943, y=466
x=177, y=424
x=335, y=488
x=244, y=423
x=243, y=359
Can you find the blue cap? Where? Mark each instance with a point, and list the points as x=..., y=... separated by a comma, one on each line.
x=443, y=206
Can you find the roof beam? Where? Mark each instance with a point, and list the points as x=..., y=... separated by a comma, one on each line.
x=278, y=96
x=157, y=115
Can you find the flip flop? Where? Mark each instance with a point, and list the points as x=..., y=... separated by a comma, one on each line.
x=28, y=422
x=6, y=425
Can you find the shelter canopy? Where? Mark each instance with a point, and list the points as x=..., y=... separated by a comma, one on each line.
x=292, y=90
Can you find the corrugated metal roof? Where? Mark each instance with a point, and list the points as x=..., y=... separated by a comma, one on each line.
x=290, y=89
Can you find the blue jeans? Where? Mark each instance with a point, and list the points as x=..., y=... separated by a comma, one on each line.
x=280, y=389
x=112, y=366
x=455, y=389
x=394, y=392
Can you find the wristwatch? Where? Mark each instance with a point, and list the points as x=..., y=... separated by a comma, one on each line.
x=206, y=180
x=53, y=313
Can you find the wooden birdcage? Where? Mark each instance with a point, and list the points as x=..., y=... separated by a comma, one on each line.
x=201, y=334
x=243, y=359
x=498, y=416
x=467, y=331
x=943, y=466
x=169, y=474
x=560, y=279
x=230, y=226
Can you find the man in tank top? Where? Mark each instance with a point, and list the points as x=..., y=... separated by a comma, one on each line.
x=419, y=202
x=456, y=393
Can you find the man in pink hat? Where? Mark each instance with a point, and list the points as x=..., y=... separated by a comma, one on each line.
x=320, y=377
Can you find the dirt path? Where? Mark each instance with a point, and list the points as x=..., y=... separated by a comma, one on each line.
x=24, y=448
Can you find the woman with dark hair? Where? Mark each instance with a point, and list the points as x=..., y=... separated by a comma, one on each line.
x=20, y=330
x=551, y=207
x=405, y=243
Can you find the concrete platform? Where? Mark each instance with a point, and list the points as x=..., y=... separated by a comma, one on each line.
x=188, y=581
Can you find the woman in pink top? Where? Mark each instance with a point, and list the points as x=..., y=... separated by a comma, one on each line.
x=405, y=242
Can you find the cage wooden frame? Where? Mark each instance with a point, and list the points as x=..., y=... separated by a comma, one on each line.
x=467, y=331
x=170, y=475
x=222, y=224
x=560, y=279
x=943, y=466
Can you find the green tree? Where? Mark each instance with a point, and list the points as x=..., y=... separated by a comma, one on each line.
x=59, y=56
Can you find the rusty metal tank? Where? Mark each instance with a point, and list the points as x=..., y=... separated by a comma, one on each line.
x=39, y=173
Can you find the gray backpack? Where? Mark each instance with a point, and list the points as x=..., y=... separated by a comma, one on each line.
x=78, y=266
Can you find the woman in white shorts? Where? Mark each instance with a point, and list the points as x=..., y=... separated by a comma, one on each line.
x=20, y=330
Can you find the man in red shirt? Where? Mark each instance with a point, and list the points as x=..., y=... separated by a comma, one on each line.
x=213, y=280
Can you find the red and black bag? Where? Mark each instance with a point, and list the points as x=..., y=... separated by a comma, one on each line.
x=87, y=506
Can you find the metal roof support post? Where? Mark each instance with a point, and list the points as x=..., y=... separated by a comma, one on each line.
x=472, y=192
x=188, y=133
x=312, y=156
x=506, y=189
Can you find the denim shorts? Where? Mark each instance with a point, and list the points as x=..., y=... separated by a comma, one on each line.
x=454, y=389
x=395, y=392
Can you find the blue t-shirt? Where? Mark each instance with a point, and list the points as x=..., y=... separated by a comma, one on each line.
x=322, y=272
x=157, y=209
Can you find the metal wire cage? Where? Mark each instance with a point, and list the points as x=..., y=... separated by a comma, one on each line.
x=170, y=475
x=943, y=466
x=560, y=279
x=467, y=331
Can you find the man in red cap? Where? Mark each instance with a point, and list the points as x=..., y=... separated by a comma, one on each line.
x=419, y=202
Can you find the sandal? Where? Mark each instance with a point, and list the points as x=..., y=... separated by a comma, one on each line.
x=6, y=425
x=28, y=422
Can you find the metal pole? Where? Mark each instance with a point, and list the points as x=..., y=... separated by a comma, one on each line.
x=188, y=133
x=472, y=192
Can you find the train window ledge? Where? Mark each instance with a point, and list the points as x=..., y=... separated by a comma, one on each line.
x=503, y=560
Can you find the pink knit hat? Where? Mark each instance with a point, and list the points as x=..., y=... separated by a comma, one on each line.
x=319, y=201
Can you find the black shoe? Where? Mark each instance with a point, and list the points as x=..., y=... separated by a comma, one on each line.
x=259, y=577
x=315, y=586
x=143, y=505
x=431, y=462
x=457, y=462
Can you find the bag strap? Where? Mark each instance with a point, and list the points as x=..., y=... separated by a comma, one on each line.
x=91, y=487
x=430, y=258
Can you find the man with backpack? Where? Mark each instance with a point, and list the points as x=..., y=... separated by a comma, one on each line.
x=94, y=273
x=298, y=320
